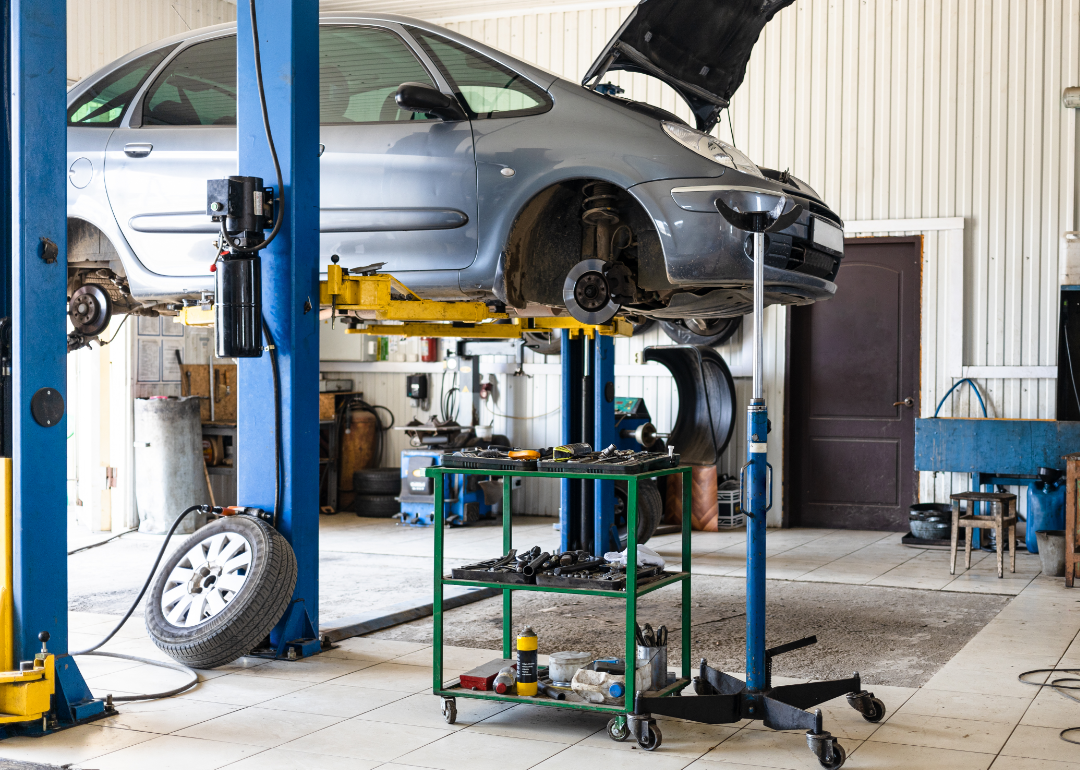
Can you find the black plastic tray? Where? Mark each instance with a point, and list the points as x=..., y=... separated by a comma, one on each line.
x=487, y=463
x=549, y=578
x=509, y=577
x=652, y=462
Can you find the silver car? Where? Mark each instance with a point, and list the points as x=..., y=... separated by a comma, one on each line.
x=468, y=173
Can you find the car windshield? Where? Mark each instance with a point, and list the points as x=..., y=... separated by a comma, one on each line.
x=103, y=103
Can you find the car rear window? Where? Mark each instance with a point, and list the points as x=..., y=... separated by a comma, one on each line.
x=102, y=104
x=360, y=70
x=197, y=88
x=489, y=89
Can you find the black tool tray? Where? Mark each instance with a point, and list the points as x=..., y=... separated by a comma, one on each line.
x=549, y=578
x=488, y=463
x=642, y=462
x=482, y=571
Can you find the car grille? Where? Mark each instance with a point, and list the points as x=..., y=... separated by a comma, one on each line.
x=783, y=252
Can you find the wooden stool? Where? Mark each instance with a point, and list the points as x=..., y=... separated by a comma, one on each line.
x=1005, y=516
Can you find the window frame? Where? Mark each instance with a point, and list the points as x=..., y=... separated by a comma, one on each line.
x=547, y=103
x=166, y=52
x=135, y=119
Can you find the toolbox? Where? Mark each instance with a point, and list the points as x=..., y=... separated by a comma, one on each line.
x=500, y=570
x=475, y=462
x=482, y=677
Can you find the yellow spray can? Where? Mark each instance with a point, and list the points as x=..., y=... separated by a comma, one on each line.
x=526, y=662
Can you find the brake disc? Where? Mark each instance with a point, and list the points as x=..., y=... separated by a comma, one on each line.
x=90, y=310
x=587, y=294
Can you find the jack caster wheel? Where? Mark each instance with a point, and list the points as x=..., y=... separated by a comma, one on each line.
x=652, y=738
x=449, y=711
x=618, y=730
x=878, y=712
x=839, y=757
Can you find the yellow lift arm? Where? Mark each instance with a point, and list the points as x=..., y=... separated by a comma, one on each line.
x=386, y=299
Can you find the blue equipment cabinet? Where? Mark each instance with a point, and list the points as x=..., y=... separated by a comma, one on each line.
x=463, y=498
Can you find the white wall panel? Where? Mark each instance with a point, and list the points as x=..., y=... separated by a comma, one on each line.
x=100, y=31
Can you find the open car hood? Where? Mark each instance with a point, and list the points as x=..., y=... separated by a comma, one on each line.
x=698, y=47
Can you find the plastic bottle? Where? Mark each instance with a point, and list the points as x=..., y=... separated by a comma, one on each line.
x=526, y=662
x=1045, y=510
x=504, y=680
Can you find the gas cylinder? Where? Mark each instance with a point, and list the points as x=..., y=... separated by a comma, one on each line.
x=1045, y=510
x=358, y=444
x=526, y=662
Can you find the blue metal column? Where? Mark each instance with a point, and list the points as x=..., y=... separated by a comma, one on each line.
x=566, y=517
x=757, y=437
x=289, y=43
x=605, y=535
x=35, y=191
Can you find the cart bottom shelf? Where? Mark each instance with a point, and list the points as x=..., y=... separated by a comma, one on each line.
x=456, y=691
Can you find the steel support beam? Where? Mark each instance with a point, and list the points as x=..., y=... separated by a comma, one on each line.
x=289, y=45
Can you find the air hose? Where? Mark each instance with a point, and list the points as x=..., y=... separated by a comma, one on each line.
x=974, y=387
x=94, y=650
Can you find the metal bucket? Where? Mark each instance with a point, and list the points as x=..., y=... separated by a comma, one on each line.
x=656, y=660
x=1052, y=551
x=169, y=474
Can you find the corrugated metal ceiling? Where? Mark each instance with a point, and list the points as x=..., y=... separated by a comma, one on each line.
x=439, y=9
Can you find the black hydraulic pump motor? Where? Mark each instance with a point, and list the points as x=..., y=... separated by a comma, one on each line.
x=245, y=210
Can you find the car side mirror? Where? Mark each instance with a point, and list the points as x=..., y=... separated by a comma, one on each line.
x=420, y=97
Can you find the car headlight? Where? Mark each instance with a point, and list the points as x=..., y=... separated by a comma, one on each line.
x=712, y=148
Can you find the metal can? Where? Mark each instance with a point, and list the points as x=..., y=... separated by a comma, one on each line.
x=526, y=662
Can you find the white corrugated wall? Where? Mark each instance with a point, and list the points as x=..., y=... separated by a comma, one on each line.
x=100, y=31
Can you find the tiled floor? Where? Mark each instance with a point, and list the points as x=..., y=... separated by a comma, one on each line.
x=366, y=704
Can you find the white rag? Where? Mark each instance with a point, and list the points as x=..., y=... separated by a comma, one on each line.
x=645, y=556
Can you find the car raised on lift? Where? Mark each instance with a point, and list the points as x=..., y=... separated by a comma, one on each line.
x=470, y=175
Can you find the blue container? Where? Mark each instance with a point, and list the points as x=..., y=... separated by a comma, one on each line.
x=1045, y=510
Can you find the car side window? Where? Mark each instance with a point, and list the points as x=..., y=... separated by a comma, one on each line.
x=360, y=69
x=102, y=105
x=197, y=88
x=489, y=89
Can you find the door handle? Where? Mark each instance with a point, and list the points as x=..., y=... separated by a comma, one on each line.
x=908, y=402
x=138, y=149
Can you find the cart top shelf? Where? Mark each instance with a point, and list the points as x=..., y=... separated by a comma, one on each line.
x=439, y=470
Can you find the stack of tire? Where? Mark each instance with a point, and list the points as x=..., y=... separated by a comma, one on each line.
x=377, y=490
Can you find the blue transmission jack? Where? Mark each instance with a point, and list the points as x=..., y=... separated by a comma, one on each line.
x=463, y=497
x=724, y=699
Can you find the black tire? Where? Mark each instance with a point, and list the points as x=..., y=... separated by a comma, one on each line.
x=449, y=711
x=377, y=481
x=615, y=733
x=652, y=738
x=650, y=509
x=719, y=331
x=376, y=506
x=248, y=614
x=644, y=327
x=839, y=758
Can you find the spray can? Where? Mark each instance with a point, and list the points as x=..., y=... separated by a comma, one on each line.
x=526, y=662
x=504, y=680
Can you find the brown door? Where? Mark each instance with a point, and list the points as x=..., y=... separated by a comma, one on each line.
x=851, y=451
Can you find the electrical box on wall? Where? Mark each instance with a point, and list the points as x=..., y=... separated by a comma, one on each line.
x=416, y=387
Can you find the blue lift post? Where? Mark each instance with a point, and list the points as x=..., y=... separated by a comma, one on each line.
x=289, y=47
x=588, y=415
x=35, y=299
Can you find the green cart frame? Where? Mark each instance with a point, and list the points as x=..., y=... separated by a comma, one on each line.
x=617, y=728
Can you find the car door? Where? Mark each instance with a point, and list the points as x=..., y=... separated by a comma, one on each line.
x=397, y=187
x=182, y=133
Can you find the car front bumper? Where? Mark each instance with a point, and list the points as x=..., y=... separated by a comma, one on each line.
x=711, y=262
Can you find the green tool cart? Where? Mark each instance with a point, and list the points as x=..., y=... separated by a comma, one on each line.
x=618, y=728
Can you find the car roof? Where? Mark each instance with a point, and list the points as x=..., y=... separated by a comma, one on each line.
x=538, y=75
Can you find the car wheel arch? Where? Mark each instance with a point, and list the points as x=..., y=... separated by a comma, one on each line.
x=544, y=240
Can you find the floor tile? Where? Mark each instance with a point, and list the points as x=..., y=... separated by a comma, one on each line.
x=965, y=705
x=313, y=670
x=333, y=700
x=1022, y=763
x=453, y=657
x=622, y=758
x=1039, y=743
x=943, y=733
x=281, y=759
x=79, y=744
x=1049, y=709
x=425, y=710
x=360, y=739
x=163, y=716
x=392, y=676
x=686, y=739
x=959, y=680
x=378, y=650
x=141, y=678
x=242, y=690
x=786, y=751
x=170, y=752
x=468, y=750
x=256, y=726
x=542, y=723
x=894, y=756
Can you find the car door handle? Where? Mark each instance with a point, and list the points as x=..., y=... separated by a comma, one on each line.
x=138, y=149
x=908, y=402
